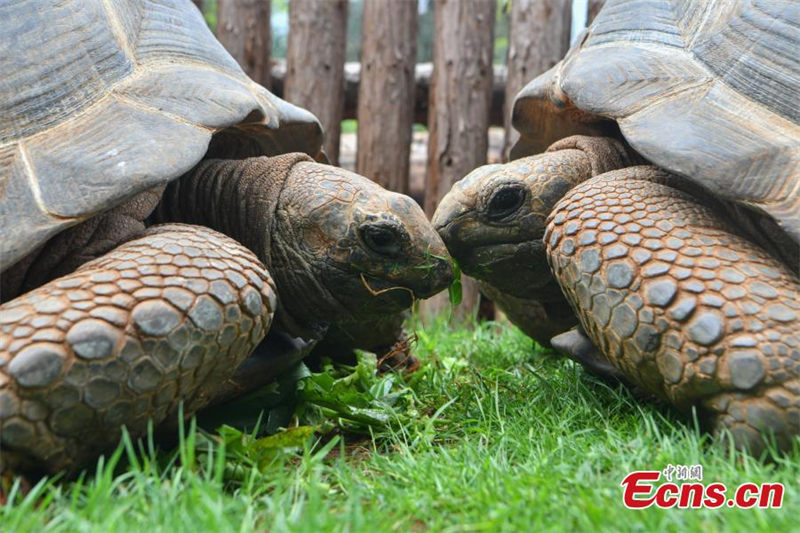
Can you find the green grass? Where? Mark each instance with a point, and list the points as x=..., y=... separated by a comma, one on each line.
x=490, y=434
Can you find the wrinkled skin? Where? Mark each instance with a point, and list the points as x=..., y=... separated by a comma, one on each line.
x=369, y=252
x=670, y=294
x=166, y=317
x=341, y=248
x=493, y=221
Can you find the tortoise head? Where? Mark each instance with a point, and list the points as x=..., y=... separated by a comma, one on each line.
x=493, y=221
x=347, y=249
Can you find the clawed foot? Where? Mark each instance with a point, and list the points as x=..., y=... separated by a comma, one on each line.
x=398, y=358
x=576, y=345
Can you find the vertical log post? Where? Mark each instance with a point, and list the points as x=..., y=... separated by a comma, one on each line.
x=594, y=8
x=538, y=39
x=386, y=91
x=243, y=28
x=315, y=64
x=458, y=115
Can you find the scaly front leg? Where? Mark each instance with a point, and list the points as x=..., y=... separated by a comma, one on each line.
x=163, y=319
x=680, y=303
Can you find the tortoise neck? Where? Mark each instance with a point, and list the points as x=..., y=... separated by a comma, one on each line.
x=236, y=197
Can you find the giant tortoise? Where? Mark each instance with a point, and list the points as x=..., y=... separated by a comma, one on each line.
x=664, y=218
x=120, y=115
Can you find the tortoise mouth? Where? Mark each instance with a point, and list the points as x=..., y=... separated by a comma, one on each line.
x=387, y=292
x=370, y=295
x=427, y=280
x=481, y=260
x=477, y=249
x=517, y=268
x=467, y=233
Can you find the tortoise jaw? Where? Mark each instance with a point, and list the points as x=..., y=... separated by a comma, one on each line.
x=432, y=274
x=455, y=222
x=511, y=260
x=437, y=275
x=388, y=293
x=471, y=242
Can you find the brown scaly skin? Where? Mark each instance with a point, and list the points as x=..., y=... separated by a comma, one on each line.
x=362, y=284
x=504, y=250
x=321, y=244
x=168, y=317
x=680, y=304
x=123, y=339
x=677, y=301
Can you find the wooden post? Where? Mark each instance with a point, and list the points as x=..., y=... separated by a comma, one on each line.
x=594, y=8
x=243, y=28
x=539, y=38
x=315, y=63
x=352, y=77
x=460, y=97
x=386, y=91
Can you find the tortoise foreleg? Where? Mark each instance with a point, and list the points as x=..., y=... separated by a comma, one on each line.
x=680, y=303
x=160, y=320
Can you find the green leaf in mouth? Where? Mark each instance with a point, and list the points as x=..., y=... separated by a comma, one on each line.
x=455, y=288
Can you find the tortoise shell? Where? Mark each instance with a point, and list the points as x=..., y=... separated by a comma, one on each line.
x=708, y=90
x=102, y=100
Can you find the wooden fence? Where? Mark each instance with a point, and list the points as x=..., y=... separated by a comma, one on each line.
x=458, y=96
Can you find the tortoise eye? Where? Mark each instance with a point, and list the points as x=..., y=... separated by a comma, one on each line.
x=505, y=201
x=381, y=239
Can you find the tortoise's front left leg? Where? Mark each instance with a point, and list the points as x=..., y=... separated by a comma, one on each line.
x=680, y=303
x=160, y=320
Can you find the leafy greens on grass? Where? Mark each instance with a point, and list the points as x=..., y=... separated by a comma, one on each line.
x=491, y=434
x=288, y=415
x=355, y=398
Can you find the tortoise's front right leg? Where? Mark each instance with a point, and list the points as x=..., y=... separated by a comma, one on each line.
x=160, y=320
